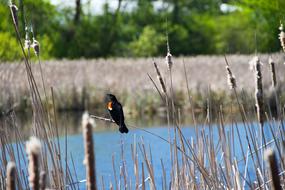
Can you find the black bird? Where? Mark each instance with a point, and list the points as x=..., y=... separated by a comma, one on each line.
x=116, y=112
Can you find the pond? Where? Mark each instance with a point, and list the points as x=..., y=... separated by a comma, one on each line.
x=110, y=143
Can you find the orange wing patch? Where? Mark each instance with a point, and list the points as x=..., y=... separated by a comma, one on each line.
x=110, y=106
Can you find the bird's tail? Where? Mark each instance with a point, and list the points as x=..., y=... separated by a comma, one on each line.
x=123, y=128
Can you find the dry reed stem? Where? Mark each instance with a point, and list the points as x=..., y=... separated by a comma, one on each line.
x=136, y=164
x=164, y=175
x=258, y=90
x=159, y=77
x=89, y=159
x=111, y=186
x=149, y=167
x=272, y=161
x=33, y=148
x=168, y=58
x=14, y=11
x=114, y=172
x=42, y=180
x=189, y=96
x=143, y=177
x=42, y=124
x=11, y=176
x=237, y=175
x=260, y=110
x=155, y=86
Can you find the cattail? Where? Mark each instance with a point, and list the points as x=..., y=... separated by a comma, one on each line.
x=42, y=180
x=168, y=57
x=282, y=36
x=159, y=77
x=272, y=161
x=89, y=160
x=27, y=39
x=231, y=77
x=273, y=72
x=33, y=148
x=14, y=11
x=36, y=46
x=111, y=186
x=255, y=62
x=11, y=176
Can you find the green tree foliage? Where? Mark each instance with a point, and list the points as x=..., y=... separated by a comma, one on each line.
x=193, y=27
x=9, y=49
x=252, y=27
x=148, y=43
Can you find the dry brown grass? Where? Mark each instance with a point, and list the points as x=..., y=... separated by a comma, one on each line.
x=71, y=78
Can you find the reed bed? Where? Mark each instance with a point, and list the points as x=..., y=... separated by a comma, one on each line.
x=78, y=85
x=203, y=162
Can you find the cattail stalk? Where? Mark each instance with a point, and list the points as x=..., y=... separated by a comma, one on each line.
x=273, y=72
x=89, y=160
x=159, y=77
x=11, y=176
x=272, y=161
x=143, y=178
x=33, y=148
x=282, y=37
x=259, y=103
x=258, y=90
x=42, y=180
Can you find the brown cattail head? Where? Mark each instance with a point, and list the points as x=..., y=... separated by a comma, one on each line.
x=256, y=65
x=36, y=46
x=168, y=60
x=11, y=176
x=14, y=11
x=273, y=164
x=231, y=77
x=273, y=72
x=42, y=180
x=33, y=148
x=89, y=159
x=282, y=36
x=159, y=77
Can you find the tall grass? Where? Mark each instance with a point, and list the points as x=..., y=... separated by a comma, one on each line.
x=78, y=85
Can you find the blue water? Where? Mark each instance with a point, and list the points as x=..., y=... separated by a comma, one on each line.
x=110, y=143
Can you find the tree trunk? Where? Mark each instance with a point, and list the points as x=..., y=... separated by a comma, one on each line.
x=77, y=11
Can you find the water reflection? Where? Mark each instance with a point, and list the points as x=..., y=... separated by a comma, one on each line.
x=70, y=123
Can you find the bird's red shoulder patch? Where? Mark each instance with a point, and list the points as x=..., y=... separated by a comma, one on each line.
x=110, y=106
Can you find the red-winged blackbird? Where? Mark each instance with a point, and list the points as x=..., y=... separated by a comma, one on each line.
x=116, y=111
